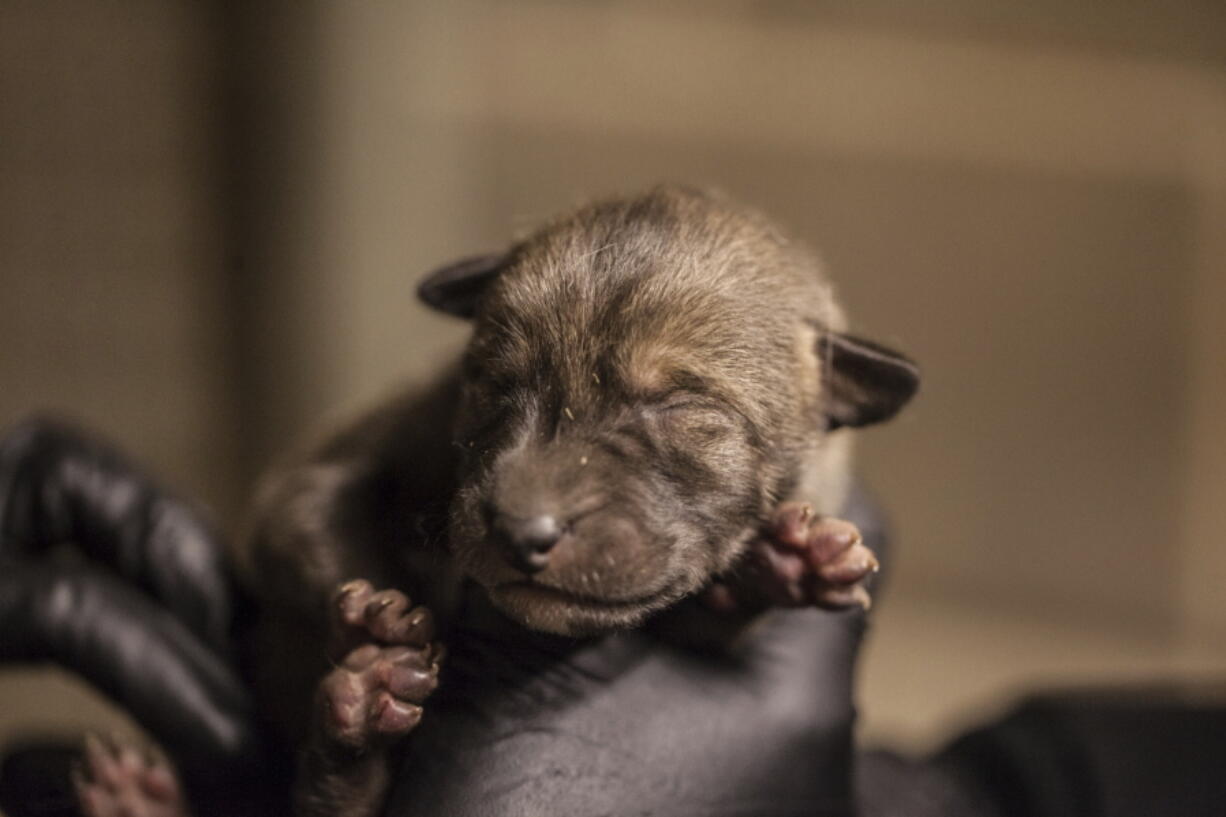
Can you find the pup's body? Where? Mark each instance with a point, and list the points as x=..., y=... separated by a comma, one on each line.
x=652, y=387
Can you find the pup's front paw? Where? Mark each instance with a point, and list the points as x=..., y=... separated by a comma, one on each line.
x=116, y=780
x=387, y=664
x=802, y=559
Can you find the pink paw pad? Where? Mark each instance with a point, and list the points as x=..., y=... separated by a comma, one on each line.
x=117, y=780
x=803, y=559
x=387, y=666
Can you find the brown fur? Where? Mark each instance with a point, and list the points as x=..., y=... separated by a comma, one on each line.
x=659, y=329
x=653, y=371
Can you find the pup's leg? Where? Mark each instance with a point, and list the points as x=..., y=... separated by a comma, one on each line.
x=802, y=559
x=386, y=665
x=116, y=780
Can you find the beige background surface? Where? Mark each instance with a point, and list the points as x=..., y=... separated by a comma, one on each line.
x=211, y=221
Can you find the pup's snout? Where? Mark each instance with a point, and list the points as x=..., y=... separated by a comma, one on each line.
x=527, y=541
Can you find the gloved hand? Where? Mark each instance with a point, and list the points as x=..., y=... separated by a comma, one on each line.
x=144, y=609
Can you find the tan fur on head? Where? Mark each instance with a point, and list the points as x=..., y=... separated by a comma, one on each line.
x=673, y=343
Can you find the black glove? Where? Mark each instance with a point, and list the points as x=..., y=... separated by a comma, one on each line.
x=143, y=611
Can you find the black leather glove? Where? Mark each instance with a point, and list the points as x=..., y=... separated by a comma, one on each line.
x=143, y=610
x=59, y=486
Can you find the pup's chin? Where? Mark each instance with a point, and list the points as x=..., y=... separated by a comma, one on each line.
x=555, y=611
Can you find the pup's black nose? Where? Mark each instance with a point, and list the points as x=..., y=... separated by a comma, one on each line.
x=527, y=541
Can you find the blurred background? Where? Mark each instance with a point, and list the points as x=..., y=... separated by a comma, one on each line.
x=213, y=216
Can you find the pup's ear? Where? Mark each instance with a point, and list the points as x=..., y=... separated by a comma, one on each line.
x=455, y=288
x=865, y=383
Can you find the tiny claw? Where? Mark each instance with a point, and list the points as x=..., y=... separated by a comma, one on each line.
x=390, y=716
x=345, y=591
x=438, y=653
x=862, y=596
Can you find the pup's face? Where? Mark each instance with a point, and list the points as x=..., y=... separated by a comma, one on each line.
x=650, y=457
x=633, y=407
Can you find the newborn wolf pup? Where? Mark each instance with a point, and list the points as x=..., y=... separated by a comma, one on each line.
x=647, y=428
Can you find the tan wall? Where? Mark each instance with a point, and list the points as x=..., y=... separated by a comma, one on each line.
x=111, y=247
